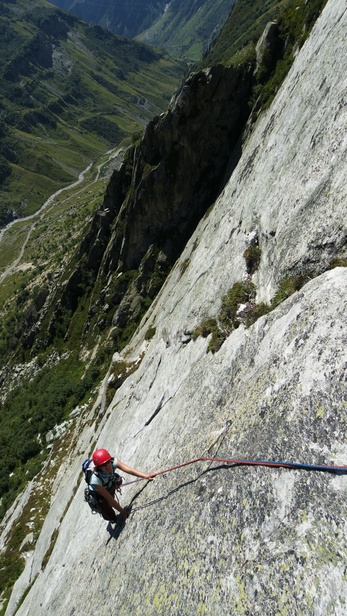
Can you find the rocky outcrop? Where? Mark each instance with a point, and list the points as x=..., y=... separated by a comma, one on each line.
x=214, y=538
x=39, y=49
x=180, y=164
x=157, y=197
x=268, y=47
x=173, y=176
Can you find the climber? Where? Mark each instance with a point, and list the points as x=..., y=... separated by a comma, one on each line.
x=104, y=480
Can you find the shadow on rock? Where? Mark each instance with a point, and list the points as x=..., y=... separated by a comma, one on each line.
x=115, y=529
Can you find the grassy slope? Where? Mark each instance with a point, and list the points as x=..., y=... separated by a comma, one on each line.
x=187, y=28
x=125, y=18
x=244, y=27
x=56, y=116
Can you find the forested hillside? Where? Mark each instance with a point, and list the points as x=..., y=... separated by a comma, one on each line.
x=69, y=91
x=184, y=28
x=125, y=18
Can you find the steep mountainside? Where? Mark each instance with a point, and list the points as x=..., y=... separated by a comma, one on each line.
x=68, y=92
x=124, y=18
x=154, y=201
x=184, y=27
x=241, y=355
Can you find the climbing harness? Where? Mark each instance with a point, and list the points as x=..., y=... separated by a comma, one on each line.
x=338, y=470
x=91, y=496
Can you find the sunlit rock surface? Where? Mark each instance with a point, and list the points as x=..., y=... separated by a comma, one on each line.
x=208, y=538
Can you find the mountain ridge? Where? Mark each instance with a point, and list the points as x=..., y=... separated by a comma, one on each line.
x=123, y=20
x=183, y=28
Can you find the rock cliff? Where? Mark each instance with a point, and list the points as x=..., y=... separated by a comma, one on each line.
x=157, y=197
x=211, y=538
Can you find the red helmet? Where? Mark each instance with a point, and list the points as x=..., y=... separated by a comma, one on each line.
x=101, y=456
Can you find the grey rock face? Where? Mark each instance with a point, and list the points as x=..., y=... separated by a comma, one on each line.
x=178, y=167
x=268, y=44
x=209, y=538
x=156, y=198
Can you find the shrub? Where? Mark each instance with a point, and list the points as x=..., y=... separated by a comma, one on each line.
x=288, y=286
x=252, y=256
x=5, y=169
x=103, y=127
x=210, y=326
x=205, y=329
x=337, y=262
x=240, y=293
x=150, y=333
x=216, y=341
x=228, y=319
x=257, y=311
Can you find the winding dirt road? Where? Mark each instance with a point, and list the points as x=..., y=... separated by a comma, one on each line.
x=33, y=217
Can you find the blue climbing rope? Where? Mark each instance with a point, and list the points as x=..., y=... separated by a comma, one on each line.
x=337, y=470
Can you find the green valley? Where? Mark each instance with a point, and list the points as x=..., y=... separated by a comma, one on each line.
x=68, y=92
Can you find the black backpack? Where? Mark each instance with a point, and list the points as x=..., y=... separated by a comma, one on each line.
x=90, y=496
